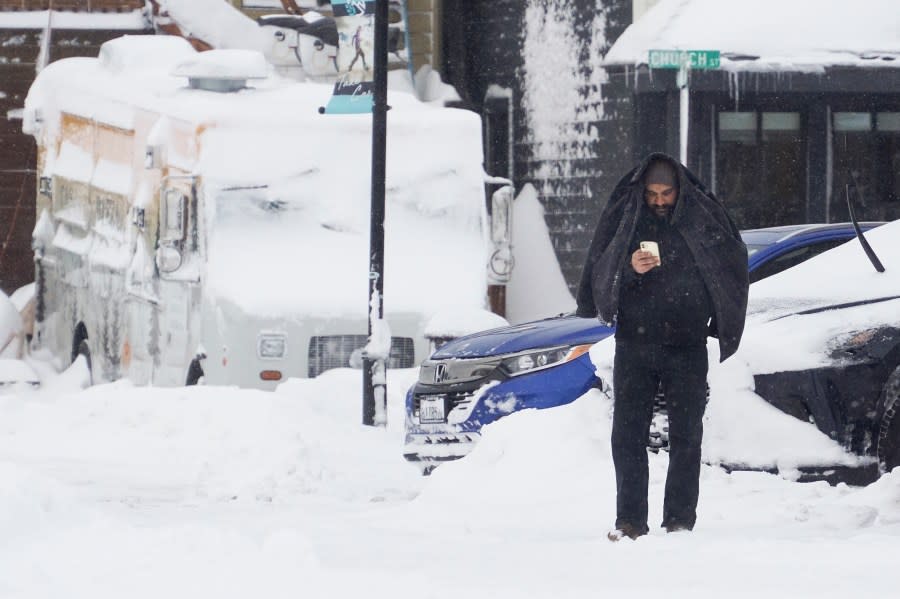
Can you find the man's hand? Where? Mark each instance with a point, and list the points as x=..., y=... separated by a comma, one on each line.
x=642, y=261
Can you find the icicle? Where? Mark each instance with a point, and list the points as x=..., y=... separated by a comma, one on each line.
x=734, y=88
x=44, y=53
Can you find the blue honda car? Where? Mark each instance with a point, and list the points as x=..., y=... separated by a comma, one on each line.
x=474, y=380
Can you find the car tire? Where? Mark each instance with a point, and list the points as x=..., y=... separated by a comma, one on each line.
x=889, y=426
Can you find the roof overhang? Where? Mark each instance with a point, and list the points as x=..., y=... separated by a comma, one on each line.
x=819, y=38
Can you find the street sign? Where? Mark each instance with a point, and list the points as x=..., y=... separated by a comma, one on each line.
x=675, y=59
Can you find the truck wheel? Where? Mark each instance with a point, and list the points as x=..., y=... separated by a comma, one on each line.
x=889, y=429
x=194, y=373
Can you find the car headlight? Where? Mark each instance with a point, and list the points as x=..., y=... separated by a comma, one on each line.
x=852, y=343
x=542, y=358
x=860, y=338
x=271, y=346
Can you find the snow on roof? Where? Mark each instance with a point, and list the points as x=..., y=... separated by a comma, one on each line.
x=795, y=35
x=143, y=51
x=278, y=4
x=37, y=19
x=224, y=64
x=263, y=4
x=138, y=73
x=217, y=23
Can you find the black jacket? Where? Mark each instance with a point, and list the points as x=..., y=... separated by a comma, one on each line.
x=711, y=236
x=669, y=304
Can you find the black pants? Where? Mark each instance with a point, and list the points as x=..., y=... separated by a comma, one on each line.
x=638, y=371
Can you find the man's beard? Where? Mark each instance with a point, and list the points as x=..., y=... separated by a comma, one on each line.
x=662, y=212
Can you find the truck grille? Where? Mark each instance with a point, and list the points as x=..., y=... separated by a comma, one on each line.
x=453, y=371
x=334, y=351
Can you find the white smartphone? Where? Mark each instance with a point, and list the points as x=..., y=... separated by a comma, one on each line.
x=650, y=246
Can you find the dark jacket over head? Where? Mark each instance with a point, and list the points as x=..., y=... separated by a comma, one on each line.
x=713, y=240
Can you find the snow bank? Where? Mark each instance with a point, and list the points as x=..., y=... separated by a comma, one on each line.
x=10, y=327
x=536, y=287
x=532, y=461
x=204, y=443
x=556, y=466
x=223, y=492
x=35, y=505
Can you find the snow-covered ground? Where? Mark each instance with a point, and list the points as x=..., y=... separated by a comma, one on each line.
x=117, y=491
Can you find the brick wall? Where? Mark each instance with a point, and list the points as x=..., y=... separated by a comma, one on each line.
x=574, y=124
x=574, y=155
x=424, y=32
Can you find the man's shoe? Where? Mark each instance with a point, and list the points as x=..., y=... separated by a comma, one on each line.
x=625, y=530
x=677, y=528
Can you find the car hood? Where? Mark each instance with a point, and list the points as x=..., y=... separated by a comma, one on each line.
x=551, y=332
x=812, y=339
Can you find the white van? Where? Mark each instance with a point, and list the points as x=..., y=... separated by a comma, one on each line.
x=198, y=217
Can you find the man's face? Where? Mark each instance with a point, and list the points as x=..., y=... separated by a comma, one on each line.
x=661, y=199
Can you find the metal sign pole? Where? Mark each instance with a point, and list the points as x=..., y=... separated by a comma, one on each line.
x=684, y=61
x=374, y=382
x=684, y=111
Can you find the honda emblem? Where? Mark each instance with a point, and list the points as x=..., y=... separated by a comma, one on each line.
x=440, y=373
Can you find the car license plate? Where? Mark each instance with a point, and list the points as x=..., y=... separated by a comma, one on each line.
x=431, y=409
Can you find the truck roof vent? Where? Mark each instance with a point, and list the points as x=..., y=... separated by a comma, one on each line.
x=223, y=71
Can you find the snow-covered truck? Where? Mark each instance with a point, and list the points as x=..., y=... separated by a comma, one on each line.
x=198, y=217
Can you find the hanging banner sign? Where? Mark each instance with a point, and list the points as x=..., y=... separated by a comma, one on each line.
x=355, y=20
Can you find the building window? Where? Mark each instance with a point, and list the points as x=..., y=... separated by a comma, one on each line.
x=866, y=149
x=761, y=168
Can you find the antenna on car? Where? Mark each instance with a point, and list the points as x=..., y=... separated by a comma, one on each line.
x=859, y=234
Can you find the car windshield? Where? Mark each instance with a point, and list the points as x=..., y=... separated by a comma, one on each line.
x=757, y=240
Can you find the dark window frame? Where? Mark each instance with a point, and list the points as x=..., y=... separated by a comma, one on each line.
x=876, y=200
x=759, y=106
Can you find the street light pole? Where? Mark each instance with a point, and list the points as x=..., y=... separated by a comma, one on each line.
x=374, y=376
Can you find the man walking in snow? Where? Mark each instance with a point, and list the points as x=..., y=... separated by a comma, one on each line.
x=691, y=282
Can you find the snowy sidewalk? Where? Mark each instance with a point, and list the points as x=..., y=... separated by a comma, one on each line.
x=219, y=492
